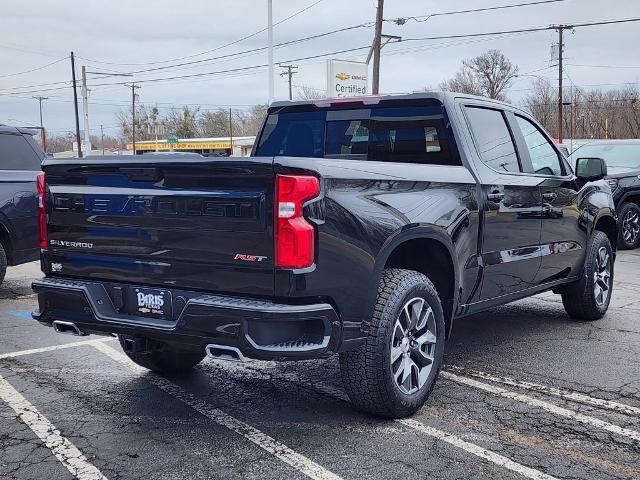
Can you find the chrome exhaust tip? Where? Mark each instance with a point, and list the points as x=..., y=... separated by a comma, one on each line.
x=68, y=328
x=224, y=352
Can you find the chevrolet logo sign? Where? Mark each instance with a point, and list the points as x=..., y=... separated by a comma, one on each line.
x=343, y=76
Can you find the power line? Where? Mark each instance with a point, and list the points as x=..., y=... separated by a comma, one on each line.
x=246, y=37
x=254, y=67
x=522, y=30
x=402, y=20
x=34, y=69
x=253, y=50
x=602, y=66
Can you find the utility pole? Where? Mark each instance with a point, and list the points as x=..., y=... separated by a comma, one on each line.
x=75, y=104
x=85, y=108
x=290, y=70
x=560, y=29
x=377, y=42
x=102, y=139
x=133, y=87
x=42, y=135
x=230, y=133
x=270, y=47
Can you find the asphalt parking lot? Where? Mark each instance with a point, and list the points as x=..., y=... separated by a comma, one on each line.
x=527, y=393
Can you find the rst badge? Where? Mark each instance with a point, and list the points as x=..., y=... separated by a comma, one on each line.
x=249, y=258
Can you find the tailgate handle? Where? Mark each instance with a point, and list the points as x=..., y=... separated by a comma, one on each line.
x=141, y=174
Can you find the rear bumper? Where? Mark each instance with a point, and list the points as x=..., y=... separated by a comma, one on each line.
x=258, y=328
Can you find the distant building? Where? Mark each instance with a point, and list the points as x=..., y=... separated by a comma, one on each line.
x=206, y=146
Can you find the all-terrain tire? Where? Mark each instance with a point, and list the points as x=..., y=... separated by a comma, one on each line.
x=3, y=264
x=580, y=300
x=166, y=359
x=367, y=370
x=629, y=219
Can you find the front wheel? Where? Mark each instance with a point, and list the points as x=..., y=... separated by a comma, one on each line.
x=588, y=299
x=393, y=373
x=629, y=228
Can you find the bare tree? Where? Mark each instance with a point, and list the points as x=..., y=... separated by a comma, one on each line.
x=489, y=74
x=464, y=81
x=542, y=103
x=596, y=113
x=305, y=92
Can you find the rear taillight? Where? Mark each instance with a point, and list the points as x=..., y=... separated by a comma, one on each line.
x=41, y=184
x=294, y=236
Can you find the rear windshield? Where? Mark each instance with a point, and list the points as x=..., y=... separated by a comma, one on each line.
x=615, y=155
x=17, y=154
x=391, y=134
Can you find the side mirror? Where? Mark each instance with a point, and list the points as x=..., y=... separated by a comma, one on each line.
x=591, y=169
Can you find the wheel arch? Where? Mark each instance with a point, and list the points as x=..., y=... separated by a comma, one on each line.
x=630, y=197
x=428, y=250
x=608, y=225
x=5, y=241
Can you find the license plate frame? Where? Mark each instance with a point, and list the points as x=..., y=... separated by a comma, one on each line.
x=155, y=303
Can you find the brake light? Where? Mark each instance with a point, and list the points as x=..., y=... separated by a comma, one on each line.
x=41, y=185
x=294, y=236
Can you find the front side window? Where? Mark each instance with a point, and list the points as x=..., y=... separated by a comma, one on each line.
x=17, y=154
x=544, y=157
x=493, y=139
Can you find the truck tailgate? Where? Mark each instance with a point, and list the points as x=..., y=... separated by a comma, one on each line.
x=200, y=224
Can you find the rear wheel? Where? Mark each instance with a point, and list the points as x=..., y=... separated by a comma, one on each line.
x=629, y=229
x=588, y=299
x=393, y=373
x=163, y=358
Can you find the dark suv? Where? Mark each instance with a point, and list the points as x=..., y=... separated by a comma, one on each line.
x=20, y=158
x=623, y=165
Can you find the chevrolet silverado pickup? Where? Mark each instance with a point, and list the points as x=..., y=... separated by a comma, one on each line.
x=361, y=227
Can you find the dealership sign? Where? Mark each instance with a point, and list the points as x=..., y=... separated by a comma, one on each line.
x=346, y=79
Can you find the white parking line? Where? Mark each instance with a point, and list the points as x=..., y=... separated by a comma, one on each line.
x=549, y=407
x=264, y=441
x=557, y=392
x=54, y=347
x=60, y=446
x=476, y=450
x=449, y=438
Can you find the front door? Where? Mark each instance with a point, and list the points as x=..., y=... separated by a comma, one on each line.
x=563, y=237
x=510, y=253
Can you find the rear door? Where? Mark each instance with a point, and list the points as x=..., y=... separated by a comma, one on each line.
x=510, y=254
x=196, y=224
x=563, y=235
x=20, y=159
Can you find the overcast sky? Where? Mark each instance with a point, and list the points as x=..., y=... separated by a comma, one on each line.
x=126, y=35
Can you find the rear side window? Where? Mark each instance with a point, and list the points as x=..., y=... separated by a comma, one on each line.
x=392, y=134
x=294, y=134
x=493, y=139
x=17, y=154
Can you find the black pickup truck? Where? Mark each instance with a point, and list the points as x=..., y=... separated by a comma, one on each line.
x=362, y=227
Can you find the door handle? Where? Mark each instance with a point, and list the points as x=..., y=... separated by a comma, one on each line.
x=495, y=196
x=549, y=196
